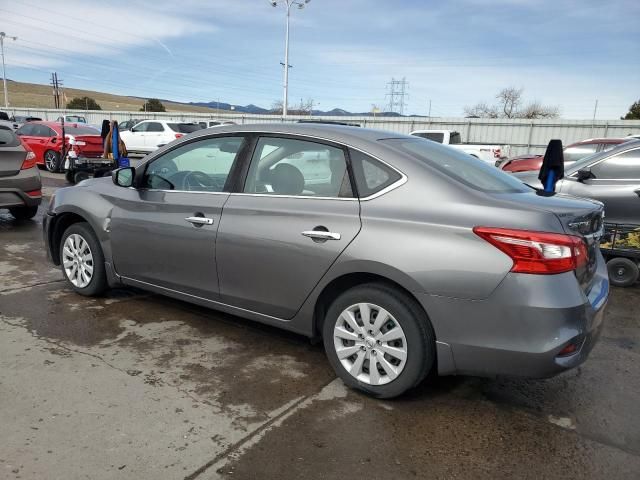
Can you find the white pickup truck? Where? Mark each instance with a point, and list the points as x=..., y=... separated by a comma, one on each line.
x=487, y=153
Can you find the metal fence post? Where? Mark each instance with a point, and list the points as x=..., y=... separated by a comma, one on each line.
x=530, y=137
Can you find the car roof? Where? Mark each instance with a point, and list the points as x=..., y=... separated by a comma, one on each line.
x=623, y=147
x=590, y=141
x=337, y=133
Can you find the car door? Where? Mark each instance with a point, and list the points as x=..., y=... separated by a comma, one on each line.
x=293, y=217
x=134, y=138
x=27, y=135
x=164, y=231
x=615, y=182
x=155, y=136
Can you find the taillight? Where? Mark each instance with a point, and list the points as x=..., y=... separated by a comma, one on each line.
x=178, y=135
x=34, y=193
x=537, y=252
x=29, y=161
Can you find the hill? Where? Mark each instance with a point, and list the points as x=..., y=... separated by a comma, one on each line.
x=33, y=95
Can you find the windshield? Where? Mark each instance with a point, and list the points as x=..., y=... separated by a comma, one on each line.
x=459, y=166
x=184, y=127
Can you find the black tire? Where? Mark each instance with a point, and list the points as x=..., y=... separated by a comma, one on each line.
x=623, y=272
x=420, y=339
x=68, y=175
x=52, y=161
x=23, y=213
x=98, y=283
x=80, y=176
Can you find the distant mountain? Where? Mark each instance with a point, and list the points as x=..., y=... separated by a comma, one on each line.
x=336, y=112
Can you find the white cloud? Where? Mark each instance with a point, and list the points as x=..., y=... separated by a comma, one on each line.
x=74, y=27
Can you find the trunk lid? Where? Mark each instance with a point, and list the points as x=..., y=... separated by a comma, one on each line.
x=89, y=145
x=12, y=153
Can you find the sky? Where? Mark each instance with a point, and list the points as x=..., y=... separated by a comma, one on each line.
x=343, y=53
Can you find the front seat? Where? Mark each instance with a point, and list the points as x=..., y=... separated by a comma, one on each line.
x=287, y=180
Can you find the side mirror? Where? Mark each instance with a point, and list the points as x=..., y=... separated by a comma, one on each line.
x=123, y=177
x=584, y=174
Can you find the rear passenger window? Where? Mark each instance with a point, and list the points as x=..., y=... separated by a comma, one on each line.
x=371, y=175
x=286, y=166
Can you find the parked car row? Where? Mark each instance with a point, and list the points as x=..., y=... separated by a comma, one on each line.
x=572, y=153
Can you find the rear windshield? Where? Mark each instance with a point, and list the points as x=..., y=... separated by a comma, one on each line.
x=459, y=166
x=80, y=131
x=184, y=127
x=8, y=138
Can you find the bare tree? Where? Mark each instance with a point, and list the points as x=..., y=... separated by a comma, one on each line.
x=509, y=101
x=482, y=110
x=276, y=107
x=510, y=105
x=537, y=110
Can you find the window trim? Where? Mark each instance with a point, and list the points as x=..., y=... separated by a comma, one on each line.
x=324, y=141
x=574, y=175
x=244, y=161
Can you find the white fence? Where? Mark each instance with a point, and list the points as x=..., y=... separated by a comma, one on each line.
x=523, y=136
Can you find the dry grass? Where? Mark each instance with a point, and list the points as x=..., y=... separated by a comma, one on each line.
x=33, y=95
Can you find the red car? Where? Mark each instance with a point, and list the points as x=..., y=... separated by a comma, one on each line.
x=572, y=153
x=45, y=139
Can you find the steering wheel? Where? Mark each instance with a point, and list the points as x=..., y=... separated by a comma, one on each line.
x=197, y=180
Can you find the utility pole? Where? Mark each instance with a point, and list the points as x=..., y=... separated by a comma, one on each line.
x=288, y=4
x=397, y=94
x=4, y=71
x=593, y=122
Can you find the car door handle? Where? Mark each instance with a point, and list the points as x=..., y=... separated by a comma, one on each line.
x=321, y=235
x=199, y=220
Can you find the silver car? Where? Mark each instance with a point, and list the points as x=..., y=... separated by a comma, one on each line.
x=405, y=256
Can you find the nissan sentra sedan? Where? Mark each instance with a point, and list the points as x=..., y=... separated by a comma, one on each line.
x=404, y=256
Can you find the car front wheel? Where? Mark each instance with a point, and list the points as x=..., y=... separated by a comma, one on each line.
x=82, y=260
x=378, y=340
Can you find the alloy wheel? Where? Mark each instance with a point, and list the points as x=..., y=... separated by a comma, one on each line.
x=77, y=260
x=370, y=344
x=50, y=161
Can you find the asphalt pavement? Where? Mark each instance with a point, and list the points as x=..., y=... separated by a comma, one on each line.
x=134, y=386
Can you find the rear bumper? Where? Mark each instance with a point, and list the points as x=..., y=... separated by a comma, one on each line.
x=522, y=327
x=13, y=189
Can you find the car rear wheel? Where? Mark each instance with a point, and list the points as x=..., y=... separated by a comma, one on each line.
x=52, y=161
x=378, y=340
x=623, y=272
x=23, y=213
x=82, y=260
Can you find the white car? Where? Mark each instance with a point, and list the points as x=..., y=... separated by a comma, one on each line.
x=149, y=135
x=485, y=152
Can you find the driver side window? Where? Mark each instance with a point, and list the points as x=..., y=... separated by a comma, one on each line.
x=200, y=166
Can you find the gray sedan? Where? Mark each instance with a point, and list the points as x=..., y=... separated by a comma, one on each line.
x=405, y=256
x=20, y=185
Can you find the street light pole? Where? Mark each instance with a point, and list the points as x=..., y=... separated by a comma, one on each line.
x=288, y=3
x=4, y=72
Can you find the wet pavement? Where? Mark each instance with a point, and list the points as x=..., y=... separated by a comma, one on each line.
x=135, y=385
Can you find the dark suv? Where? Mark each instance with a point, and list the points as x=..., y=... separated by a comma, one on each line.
x=20, y=186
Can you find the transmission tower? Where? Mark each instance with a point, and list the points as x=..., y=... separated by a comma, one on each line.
x=397, y=94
